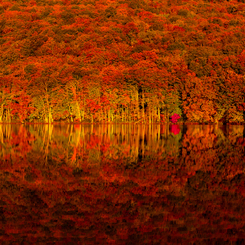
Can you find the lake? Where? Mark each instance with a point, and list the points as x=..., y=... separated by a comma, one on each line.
x=122, y=184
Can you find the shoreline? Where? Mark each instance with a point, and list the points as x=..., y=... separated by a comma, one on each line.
x=122, y=123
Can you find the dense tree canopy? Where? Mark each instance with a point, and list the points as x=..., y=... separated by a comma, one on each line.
x=122, y=61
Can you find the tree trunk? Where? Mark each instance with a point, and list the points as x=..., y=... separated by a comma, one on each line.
x=166, y=115
x=1, y=113
x=50, y=117
x=137, y=105
x=158, y=115
x=143, y=106
x=8, y=116
x=77, y=111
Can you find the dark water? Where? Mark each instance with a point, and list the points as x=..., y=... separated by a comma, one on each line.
x=122, y=184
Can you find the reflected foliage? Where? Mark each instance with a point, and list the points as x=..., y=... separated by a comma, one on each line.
x=122, y=184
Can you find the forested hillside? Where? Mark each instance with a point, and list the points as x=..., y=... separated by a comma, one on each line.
x=122, y=60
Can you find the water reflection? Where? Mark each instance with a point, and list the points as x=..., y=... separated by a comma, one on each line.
x=122, y=184
x=75, y=144
x=175, y=129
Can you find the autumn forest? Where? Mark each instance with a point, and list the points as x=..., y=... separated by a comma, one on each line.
x=122, y=61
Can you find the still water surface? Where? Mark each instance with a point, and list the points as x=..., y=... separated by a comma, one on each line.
x=122, y=184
